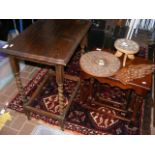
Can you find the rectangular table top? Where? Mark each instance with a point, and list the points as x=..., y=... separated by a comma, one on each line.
x=49, y=41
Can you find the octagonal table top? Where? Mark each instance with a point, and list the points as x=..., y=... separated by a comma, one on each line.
x=100, y=63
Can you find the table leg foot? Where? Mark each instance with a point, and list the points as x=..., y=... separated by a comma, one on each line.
x=28, y=115
x=62, y=125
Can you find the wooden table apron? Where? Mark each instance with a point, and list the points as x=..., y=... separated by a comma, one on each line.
x=50, y=42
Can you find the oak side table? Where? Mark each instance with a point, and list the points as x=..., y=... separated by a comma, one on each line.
x=49, y=42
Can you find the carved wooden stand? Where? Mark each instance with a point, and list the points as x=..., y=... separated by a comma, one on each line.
x=127, y=111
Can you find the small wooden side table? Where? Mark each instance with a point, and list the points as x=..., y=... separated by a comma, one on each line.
x=99, y=63
x=140, y=86
x=126, y=47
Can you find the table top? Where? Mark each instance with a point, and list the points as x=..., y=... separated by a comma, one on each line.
x=49, y=41
x=100, y=63
x=126, y=46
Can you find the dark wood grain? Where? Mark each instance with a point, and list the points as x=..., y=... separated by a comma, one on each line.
x=49, y=41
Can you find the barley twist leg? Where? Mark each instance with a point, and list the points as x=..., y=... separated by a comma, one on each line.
x=61, y=98
x=59, y=80
x=16, y=69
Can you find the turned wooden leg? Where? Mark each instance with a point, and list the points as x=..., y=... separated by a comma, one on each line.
x=83, y=44
x=136, y=108
x=128, y=100
x=61, y=98
x=15, y=68
x=23, y=96
x=91, y=93
x=20, y=88
x=59, y=80
x=124, y=59
x=82, y=89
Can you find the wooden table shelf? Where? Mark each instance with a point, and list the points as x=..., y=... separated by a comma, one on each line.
x=30, y=108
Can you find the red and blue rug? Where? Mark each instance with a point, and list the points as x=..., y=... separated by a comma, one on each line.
x=79, y=119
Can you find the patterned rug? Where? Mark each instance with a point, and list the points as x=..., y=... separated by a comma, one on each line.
x=79, y=119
